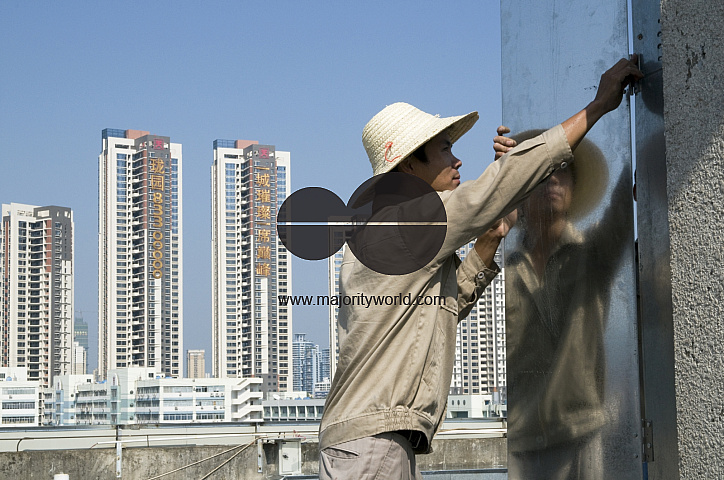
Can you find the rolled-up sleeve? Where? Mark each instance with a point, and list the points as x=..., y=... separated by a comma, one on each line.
x=473, y=277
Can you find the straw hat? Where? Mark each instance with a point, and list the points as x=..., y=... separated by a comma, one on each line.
x=589, y=170
x=399, y=129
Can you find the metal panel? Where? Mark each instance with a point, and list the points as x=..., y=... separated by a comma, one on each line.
x=573, y=374
x=656, y=321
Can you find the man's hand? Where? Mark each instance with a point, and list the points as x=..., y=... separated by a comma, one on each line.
x=487, y=244
x=502, y=226
x=614, y=81
x=501, y=144
x=608, y=98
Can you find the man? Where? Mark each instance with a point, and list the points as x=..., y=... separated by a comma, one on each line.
x=559, y=281
x=389, y=394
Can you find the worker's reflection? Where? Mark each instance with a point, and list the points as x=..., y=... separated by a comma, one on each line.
x=558, y=286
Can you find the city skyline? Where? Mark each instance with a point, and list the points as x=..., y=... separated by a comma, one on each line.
x=304, y=77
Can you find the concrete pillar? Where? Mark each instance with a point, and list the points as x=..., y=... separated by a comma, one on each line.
x=693, y=72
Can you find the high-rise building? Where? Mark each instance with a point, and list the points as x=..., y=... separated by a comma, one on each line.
x=80, y=359
x=140, y=278
x=300, y=345
x=36, y=279
x=309, y=364
x=250, y=266
x=80, y=331
x=325, y=369
x=195, y=364
x=334, y=263
x=80, y=336
x=480, y=344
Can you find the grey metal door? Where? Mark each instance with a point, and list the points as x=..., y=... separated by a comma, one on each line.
x=572, y=352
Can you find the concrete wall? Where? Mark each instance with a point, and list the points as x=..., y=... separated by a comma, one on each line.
x=693, y=66
x=147, y=463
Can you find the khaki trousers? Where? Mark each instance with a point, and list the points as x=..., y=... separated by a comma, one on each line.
x=581, y=459
x=387, y=456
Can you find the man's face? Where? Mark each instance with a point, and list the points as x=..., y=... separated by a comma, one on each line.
x=441, y=168
x=554, y=197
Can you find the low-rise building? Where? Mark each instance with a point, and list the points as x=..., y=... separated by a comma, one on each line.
x=322, y=388
x=140, y=395
x=21, y=400
x=485, y=405
x=293, y=410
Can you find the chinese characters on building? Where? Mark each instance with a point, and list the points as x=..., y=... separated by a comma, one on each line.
x=263, y=218
x=156, y=189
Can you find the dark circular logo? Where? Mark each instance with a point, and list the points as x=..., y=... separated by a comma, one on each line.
x=394, y=223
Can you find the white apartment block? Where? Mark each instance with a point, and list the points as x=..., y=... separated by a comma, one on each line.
x=480, y=343
x=251, y=333
x=20, y=399
x=140, y=276
x=143, y=396
x=36, y=281
x=65, y=390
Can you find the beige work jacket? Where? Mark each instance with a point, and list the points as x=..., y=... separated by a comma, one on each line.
x=396, y=361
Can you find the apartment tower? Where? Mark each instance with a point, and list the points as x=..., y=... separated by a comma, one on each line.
x=334, y=263
x=140, y=278
x=195, y=364
x=36, y=280
x=250, y=266
x=480, y=365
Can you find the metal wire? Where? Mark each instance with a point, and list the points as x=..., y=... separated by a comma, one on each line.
x=243, y=447
x=226, y=461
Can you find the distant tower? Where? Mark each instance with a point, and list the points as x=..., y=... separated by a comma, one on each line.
x=308, y=363
x=80, y=336
x=325, y=367
x=334, y=263
x=480, y=344
x=36, y=279
x=251, y=332
x=140, y=279
x=195, y=364
x=80, y=359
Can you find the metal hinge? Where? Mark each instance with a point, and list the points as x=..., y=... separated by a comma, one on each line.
x=647, y=434
x=634, y=87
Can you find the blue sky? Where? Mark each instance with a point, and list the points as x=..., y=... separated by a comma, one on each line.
x=304, y=76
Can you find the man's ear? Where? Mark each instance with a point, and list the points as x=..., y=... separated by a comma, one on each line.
x=404, y=166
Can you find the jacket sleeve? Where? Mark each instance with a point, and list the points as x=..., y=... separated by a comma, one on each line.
x=475, y=205
x=473, y=277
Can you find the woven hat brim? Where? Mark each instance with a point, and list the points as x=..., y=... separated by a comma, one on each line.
x=591, y=174
x=456, y=127
x=408, y=129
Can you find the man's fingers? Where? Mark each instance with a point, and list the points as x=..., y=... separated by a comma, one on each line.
x=628, y=68
x=614, y=81
x=500, y=148
x=501, y=144
x=504, y=141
